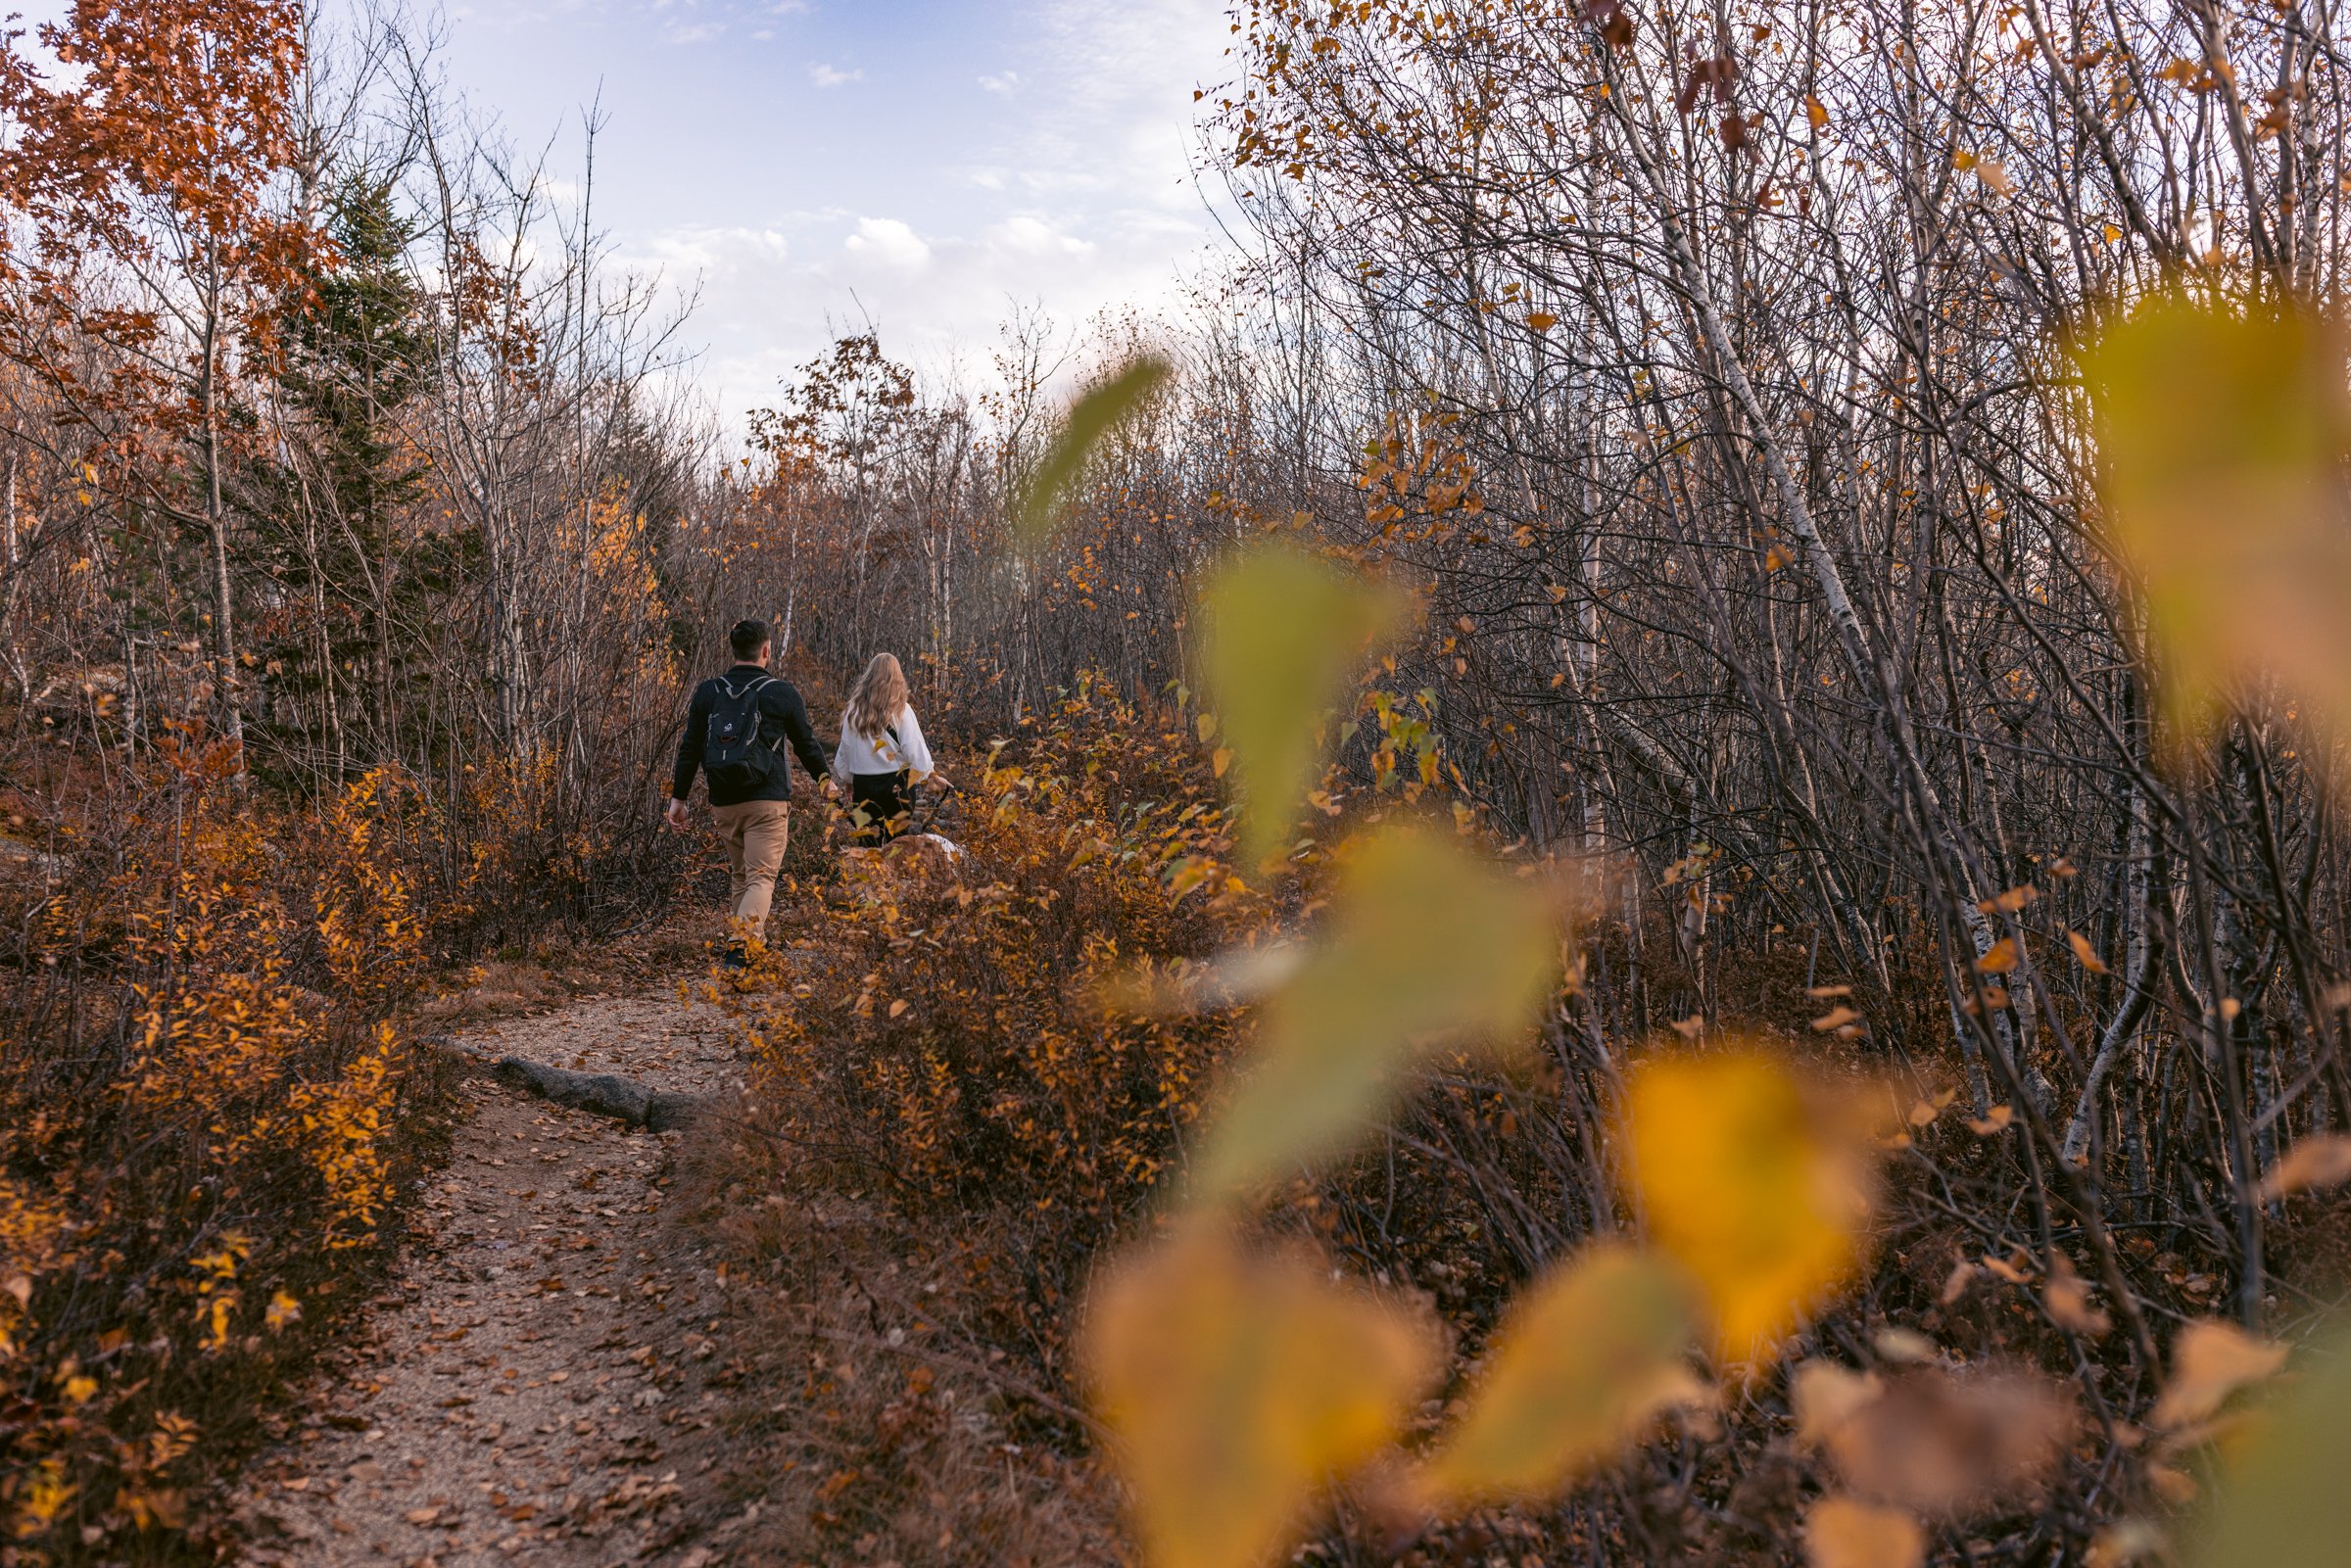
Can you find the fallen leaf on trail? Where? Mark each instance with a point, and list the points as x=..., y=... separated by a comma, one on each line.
x=1756, y=1181
x=1585, y=1360
x=1842, y=1532
x=1239, y=1383
x=2322, y=1160
x=2211, y=1361
x=1427, y=944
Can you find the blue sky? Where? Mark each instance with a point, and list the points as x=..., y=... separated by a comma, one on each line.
x=810, y=161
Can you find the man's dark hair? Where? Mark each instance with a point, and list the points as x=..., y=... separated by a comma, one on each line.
x=748, y=637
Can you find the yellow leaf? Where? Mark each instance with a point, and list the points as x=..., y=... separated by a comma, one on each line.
x=1427, y=942
x=1284, y=631
x=1238, y=1384
x=2211, y=1361
x=1755, y=1182
x=282, y=1310
x=1999, y=958
x=1996, y=1121
x=2223, y=437
x=1840, y=1533
x=1586, y=1359
x=2084, y=953
x=1221, y=760
x=1816, y=112
x=2282, y=1500
x=1107, y=404
x=1542, y=320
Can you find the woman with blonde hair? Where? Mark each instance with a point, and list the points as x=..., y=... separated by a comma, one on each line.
x=882, y=755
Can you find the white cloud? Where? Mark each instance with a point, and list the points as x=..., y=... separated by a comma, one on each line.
x=831, y=77
x=1025, y=234
x=1004, y=85
x=889, y=243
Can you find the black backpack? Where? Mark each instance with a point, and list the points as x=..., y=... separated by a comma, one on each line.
x=731, y=754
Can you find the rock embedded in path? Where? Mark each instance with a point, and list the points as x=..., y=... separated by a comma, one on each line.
x=603, y=1094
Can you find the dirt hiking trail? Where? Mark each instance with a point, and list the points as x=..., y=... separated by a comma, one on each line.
x=530, y=1388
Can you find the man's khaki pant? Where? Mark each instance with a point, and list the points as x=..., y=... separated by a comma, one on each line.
x=756, y=834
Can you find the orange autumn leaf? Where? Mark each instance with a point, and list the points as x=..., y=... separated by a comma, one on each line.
x=2322, y=1160
x=1756, y=1182
x=2210, y=1362
x=1843, y=1533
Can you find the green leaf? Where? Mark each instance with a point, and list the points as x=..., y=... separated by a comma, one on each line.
x=1104, y=407
x=2282, y=1503
x=1284, y=632
x=1585, y=1361
x=1428, y=943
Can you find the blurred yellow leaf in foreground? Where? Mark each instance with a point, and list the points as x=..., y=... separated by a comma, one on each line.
x=1427, y=942
x=2222, y=438
x=2282, y=1503
x=1586, y=1359
x=1282, y=633
x=1756, y=1182
x=1840, y=1533
x=1239, y=1383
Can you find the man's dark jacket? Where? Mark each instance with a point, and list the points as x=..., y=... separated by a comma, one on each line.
x=783, y=716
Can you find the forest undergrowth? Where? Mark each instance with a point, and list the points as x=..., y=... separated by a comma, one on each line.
x=218, y=1094
x=968, y=1096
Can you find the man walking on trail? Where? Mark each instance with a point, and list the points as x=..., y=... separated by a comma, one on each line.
x=733, y=728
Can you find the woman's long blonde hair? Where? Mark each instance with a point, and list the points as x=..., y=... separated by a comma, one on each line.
x=878, y=697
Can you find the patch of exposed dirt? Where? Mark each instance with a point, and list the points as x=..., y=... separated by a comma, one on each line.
x=533, y=1386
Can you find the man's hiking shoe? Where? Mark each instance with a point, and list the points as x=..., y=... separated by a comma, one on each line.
x=734, y=958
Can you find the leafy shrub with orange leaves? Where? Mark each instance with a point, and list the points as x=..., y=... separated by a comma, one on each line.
x=965, y=1047
x=206, y=1121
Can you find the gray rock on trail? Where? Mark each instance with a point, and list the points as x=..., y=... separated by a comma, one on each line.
x=603, y=1094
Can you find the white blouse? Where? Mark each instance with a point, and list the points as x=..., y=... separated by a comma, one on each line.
x=858, y=755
